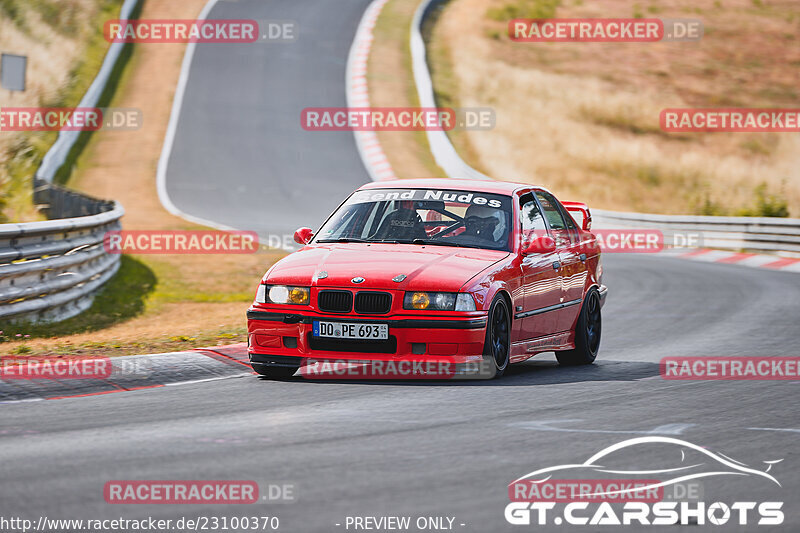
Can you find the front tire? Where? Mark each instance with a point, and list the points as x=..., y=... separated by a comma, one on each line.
x=496, y=346
x=587, y=333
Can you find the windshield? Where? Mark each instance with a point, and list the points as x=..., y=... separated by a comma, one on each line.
x=422, y=216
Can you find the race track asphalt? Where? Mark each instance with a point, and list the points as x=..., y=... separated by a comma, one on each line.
x=399, y=448
x=240, y=156
x=441, y=448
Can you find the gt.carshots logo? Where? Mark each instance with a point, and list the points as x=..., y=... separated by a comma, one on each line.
x=603, y=491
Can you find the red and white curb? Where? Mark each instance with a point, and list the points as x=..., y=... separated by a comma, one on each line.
x=369, y=148
x=137, y=372
x=707, y=255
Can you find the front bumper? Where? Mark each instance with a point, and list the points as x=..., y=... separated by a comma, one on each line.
x=273, y=336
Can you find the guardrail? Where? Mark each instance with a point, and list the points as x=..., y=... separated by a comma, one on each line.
x=758, y=234
x=51, y=270
x=728, y=233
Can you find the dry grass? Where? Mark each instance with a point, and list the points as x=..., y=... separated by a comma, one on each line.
x=54, y=35
x=50, y=52
x=582, y=119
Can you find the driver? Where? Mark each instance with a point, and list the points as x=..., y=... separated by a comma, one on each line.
x=485, y=222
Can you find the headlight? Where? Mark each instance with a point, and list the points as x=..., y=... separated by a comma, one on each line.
x=438, y=301
x=281, y=294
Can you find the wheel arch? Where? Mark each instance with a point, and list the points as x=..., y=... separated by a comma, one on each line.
x=499, y=288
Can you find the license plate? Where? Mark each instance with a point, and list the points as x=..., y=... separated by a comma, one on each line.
x=345, y=330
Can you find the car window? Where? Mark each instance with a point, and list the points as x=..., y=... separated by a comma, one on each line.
x=555, y=218
x=531, y=218
x=422, y=216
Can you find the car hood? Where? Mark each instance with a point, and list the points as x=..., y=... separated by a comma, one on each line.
x=426, y=268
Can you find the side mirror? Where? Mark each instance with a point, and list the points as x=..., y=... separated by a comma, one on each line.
x=303, y=235
x=575, y=208
x=540, y=244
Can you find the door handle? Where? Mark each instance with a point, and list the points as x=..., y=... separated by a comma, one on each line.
x=582, y=257
x=556, y=265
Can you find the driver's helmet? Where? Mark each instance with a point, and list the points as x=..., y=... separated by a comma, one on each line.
x=486, y=222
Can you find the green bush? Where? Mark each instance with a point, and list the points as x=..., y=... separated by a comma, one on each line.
x=767, y=205
x=11, y=10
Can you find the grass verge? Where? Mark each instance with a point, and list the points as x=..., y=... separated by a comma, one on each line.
x=391, y=84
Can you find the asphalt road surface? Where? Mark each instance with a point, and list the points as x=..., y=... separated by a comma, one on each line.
x=437, y=448
x=444, y=449
x=240, y=156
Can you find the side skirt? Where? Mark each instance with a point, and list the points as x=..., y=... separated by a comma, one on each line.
x=523, y=350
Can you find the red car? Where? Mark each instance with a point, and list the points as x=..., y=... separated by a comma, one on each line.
x=434, y=270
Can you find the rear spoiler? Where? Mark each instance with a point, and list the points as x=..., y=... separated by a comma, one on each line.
x=583, y=209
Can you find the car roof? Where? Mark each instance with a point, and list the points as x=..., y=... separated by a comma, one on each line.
x=487, y=186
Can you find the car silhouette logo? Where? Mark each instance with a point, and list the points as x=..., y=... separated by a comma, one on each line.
x=358, y=279
x=709, y=464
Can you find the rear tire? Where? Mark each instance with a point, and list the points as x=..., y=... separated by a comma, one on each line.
x=496, y=346
x=587, y=333
x=274, y=372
